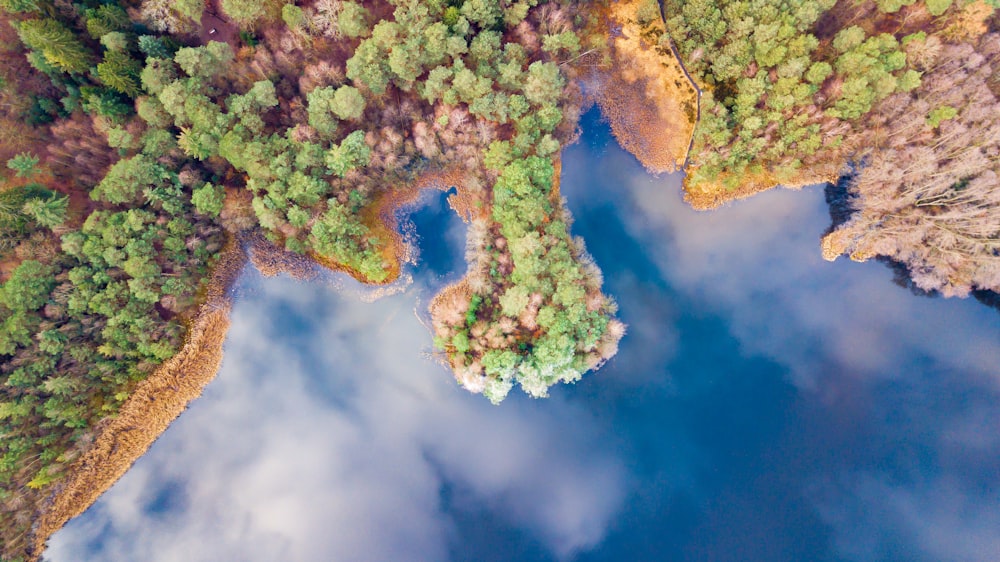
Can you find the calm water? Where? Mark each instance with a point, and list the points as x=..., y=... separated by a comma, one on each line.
x=765, y=405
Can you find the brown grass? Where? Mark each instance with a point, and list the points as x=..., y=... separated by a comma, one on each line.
x=708, y=196
x=646, y=95
x=155, y=403
x=969, y=22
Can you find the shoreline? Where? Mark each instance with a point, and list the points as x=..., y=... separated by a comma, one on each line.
x=648, y=98
x=752, y=185
x=644, y=103
x=122, y=440
x=156, y=402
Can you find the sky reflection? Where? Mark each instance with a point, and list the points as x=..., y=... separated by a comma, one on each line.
x=765, y=405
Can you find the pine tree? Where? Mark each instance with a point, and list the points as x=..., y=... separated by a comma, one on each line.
x=56, y=43
x=120, y=72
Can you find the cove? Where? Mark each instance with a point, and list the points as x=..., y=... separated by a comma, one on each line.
x=765, y=405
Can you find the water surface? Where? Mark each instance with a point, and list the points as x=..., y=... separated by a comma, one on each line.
x=765, y=405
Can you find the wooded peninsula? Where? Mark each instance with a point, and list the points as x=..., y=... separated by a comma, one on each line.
x=152, y=147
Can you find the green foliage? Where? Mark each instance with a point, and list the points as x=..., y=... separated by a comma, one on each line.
x=347, y=103
x=818, y=72
x=19, y=6
x=120, y=72
x=544, y=83
x=338, y=234
x=28, y=287
x=368, y=66
x=848, y=38
x=351, y=153
x=484, y=13
x=772, y=94
x=892, y=6
x=48, y=213
x=204, y=62
x=293, y=16
x=156, y=47
x=208, y=199
x=24, y=164
x=939, y=114
x=56, y=43
x=245, y=13
x=938, y=7
x=106, y=18
x=352, y=20
x=319, y=104
x=128, y=178
x=14, y=221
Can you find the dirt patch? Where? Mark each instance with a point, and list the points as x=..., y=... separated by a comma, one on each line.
x=647, y=96
x=155, y=403
x=216, y=27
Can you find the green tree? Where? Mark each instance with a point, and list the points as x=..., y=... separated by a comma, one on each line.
x=293, y=16
x=544, y=83
x=205, y=62
x=129, y=177
x=848, y=38
x=105, y=19
x=19, y=6
x=56, y=43
x=120, y=72
x=24, y=164
x=245, y=13
x=50, y=212
x=28, y=287
x=208, y=199
x=368, y=67
x=348, y=103
x=485, y=13
x=351, y=153
x=352, y=20
x=818, y=72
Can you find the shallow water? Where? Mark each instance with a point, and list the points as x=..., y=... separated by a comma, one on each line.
x=765, y=405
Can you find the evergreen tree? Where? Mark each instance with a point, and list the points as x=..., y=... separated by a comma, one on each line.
x=24, y=164
x=56, y=43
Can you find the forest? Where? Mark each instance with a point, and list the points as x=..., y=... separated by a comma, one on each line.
x=140, y=138
x=903, y=90
x=144, y=140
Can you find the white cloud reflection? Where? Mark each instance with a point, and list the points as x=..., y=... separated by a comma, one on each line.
x=327, y=436
x=332, y=440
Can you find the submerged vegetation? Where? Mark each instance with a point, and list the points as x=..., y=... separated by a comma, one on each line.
x=140, y=137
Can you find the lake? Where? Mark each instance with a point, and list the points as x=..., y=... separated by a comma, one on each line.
x=764, y=405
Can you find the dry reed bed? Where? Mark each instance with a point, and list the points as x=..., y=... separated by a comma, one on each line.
x=646, y=96
x=712, y=196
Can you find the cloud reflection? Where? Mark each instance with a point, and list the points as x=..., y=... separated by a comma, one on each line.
x=765, y=405
x=327, y=436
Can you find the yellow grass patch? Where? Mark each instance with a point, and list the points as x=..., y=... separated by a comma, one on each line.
x=648, y=98
x=706, y=196
x=969, y=22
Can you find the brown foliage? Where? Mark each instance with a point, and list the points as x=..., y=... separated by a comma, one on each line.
x=930, y=196
x=79, y=153
x=646, y=95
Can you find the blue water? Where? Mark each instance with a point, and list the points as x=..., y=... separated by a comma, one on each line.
x=765, y=405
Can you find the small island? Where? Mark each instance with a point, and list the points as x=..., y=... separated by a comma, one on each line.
x=152, y=148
